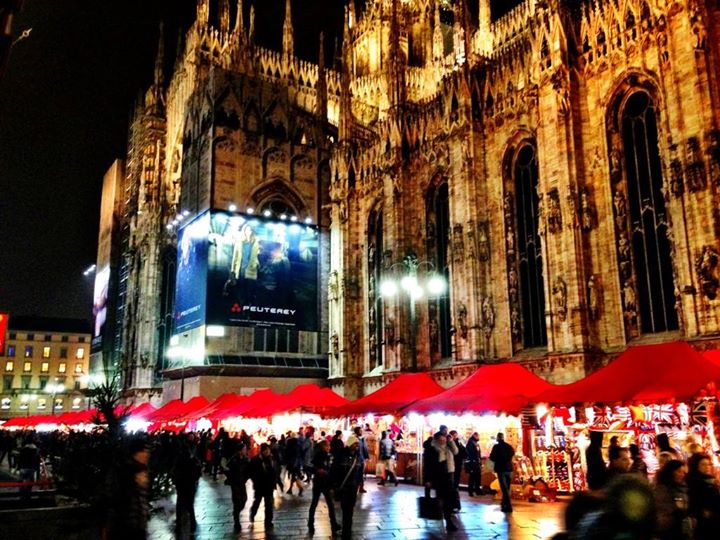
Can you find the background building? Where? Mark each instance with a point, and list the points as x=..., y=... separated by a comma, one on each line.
x=45, y=365
x=557, y=164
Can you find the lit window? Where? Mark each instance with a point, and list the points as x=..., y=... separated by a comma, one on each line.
x=62, y=367
x=80, y=353
x=45, y=367
x=5, y=403
x=9, y=365
x=11, y=350
x=27, y=366
x=42, y=403
x=76, y=403
x=46, y=352
x=59, y=402
x=78, y=368
x=28, y=351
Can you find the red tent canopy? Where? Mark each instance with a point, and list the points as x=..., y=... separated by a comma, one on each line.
x=394, y=396
x=646, y=373
x=142, y=411
x=221, y=402
x=504, y=388
x=176, y=408
x=305, y=397
x=713, y=356
x=257, y=400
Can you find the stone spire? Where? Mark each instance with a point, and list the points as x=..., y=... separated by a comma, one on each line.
x=396, y=60
x=460, y=29
x=203, y=12
x=288, y=45
x=239, y=28
x=438, y=47
x=345, y=117
x=251, y=29
x=224, y=17
x=159, y=74
x=321, y=103
x=485, y=38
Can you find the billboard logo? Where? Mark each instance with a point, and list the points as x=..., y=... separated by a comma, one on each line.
x=236, y=308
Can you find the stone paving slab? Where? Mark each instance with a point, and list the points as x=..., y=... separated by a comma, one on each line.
x=383, y=513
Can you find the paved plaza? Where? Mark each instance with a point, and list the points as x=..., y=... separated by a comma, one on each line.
x=381, y=513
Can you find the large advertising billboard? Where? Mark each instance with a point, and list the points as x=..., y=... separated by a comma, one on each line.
x=262, y=272
x=191, y=277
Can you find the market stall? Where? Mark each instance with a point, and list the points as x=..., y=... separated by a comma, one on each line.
x=380, y=411
x=647, y=390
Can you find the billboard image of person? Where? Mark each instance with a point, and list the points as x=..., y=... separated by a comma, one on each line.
x=191, y=277
x=100, y=301
x=262, y=272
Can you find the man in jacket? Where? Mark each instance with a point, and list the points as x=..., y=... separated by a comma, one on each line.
x=322, y=486
x=459, y=459
x=186, y=474
x=262, y=473
x=502, y=456
x=346, y=478
x=363, y=455
x=473, y=464
x=236, y=476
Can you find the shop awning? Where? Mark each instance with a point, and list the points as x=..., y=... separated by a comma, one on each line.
x=176, y=408
x=259, y=398
x=309, y=398
x=394, y=396
x=222, y=402
x=497, y=388
x=645, y=374
x=713, y=356
x=142, y=411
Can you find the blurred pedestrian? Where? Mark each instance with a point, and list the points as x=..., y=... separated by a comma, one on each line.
x=473, y=464
x=620, y=464
x=459, y=460
x=130, y=510
x=236, y=476
x=638, y=464
x=322, y=486
x=596, y=469
x=441, y=468
x=386, y=456
x=346, y=479
x=186, y=473
x=363, y=455
x=262, y=473
x=674, y=520
x=703, y=497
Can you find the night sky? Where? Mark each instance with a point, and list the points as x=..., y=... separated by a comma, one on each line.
x=64, y=106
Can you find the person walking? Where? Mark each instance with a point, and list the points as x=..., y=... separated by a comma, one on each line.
x=473, y=464
x=703, y=497
x=308, y=453
x=638, y=466
x=28, y=463
x=186, y=473
x=441, y=469
x=346, y=479
x=236, y=476
x=130, y=506
x=674, y=521
x=387, y=453
x=596, y=469
x=502, y=456
x=291, y=463
x=262, y=473
x=620, y=464
x=322, y=486
x=459, y=460
x=363, y=455
x=336, y=445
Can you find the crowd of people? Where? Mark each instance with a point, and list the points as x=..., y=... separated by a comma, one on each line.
x=681, y=502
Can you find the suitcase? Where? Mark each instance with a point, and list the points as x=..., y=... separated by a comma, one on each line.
x=429, y=508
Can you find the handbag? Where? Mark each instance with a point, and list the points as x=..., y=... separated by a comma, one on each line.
x=429, y=508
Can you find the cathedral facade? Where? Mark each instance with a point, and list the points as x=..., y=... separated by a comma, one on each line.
x=558, y=167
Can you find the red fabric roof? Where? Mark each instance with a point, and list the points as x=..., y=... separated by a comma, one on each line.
x=394, y=396
x=713, y=356
x=257, y=399
x=176, y=408
x=305, y=397
x=221, y=402
x=503, y=388
x=142, y=411
x=646, y=374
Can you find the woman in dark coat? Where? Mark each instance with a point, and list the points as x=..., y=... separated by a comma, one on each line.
x=704, y=497
x=671, y=493
x=596, y=469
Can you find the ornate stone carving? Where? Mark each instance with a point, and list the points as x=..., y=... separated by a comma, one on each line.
x=586, y=210
x=706, y=265
x=695, y=169
x=333, y=285
x=714, y=156
x=483, y=241
x=515, y=325
x=371, y=257
x=354, y=343
x=462, y=320
x=620, y=211
x=615, y=165
x=387, y=259
x=488, y=315
x=390, y=332
x=541, y=215
x=513, y=285
x=334, y=344
x=594, y=294
x=629, y=305
x=677, y=180
x=458, y=244
x=559, y=292
x=554, y=217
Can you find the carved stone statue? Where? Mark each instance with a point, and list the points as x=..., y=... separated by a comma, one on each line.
x=483, y=242
x=434, y=333
x=333, y=285
x=677, y=180
x=620, y=210
x=695, y=170
x=513, y=284
x=714, y=156
x=706, y=266
x=541, y=215
x=594, y=292
x=515, y=325
x=586, y=211
x=510, y=241
x=458, y=245
x=554, y=218
x=334, y=344
x=462, y=320
x=390, y=332
x=559, y=291
x=615, y=165
x=488, y=315
x=371, y=256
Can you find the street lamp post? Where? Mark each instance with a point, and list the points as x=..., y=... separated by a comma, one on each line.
x=432, y=284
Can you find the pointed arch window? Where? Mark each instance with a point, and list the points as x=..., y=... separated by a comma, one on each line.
x=642, y=223
x=437, y=209
x=526, y=285
x=375, y=301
